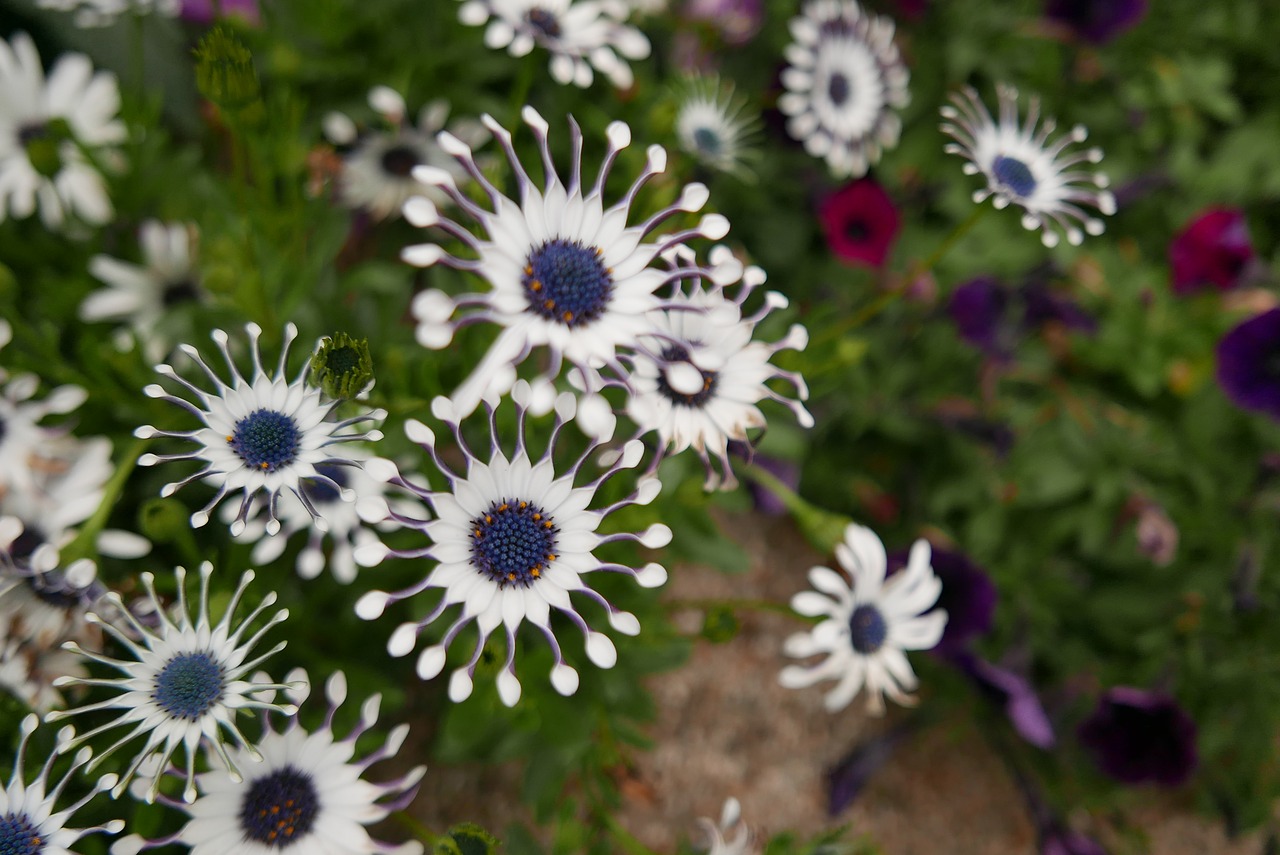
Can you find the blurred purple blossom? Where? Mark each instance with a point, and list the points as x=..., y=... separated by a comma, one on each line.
x=1014, y=692
x=1097, y=21
x=860, y=222
x=764, y=499
x=737, y=21
x=993, y=316
x=1138, y=736
x=1057, y=839
x=851, y=775
x=1249, y=364
x=968, y=596
x=1157, y=534
x=202, y=11
x=1212, y=250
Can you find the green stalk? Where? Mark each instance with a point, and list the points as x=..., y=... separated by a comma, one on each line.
x=823, y=528
x=420, y=831
x=85, y=543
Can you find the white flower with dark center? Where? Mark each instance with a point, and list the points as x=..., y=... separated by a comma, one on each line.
x=1023, y=168
x=350, y=524
x=306, y=795
x=730, y=821
x=844, y=81
x=377, y=165
x=104, y=13
x=867, y=626
x=698, y=380
x=263, y=433
x=566, y=273
x=185, y=683
x=30, y=821
x=41, y=602
x=713, y=125
x=578, y=34
x=143, y=295
x=43, y=126
x=510, y=541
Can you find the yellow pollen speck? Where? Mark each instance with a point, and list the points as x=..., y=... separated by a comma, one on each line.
x=265, y=465
x=231, y=439
x=511, y=577
x=551, y=556
x=488, y=519
x=535, y=286
x=479, y=533
x=528, y=270
x=503, y=508
x=535, y=572
x=568, y=316
x=549, y=304
x=547, y=524
x=524, y=505
x=537, y=517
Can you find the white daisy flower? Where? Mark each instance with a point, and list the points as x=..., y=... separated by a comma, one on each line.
x=510, y=541
x=698, y=379
x=713, y=126
x=844, y=81
x=718, y=841
x=1023, y=168
x=377, y=166
x=578, y=34
x=261, y=434
x=43, y=127
x=103, y=13
x=142, y=295
x=30, y=821
x=41, y=602
x=566, y=272
x=307, y=794
x=184, y=685
x=350, y=523
x=868, y=624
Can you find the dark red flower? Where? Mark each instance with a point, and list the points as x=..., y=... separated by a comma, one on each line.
x=860, y=222
x=1213, y=249
x=1137, y=736
x=1096, y=21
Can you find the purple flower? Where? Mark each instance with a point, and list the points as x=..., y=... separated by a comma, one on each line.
x=1057, y=839
x=861, y=223
x=855, y=770
x=1249, y=364
x=1214, y=249
x=968, y=597
x=202, y=11
x=1096, y=21
x=764, y=499
x=1136, y=736
x=978, y=309
x=1043, y=305
x=1003, y=686
x=737, y=21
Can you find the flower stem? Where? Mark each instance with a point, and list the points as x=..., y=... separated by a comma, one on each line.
x=823, y=528
x=85, y=543
x=420, y=831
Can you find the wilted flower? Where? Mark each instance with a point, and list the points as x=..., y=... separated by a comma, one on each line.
x=1249, y=364
x=1213, y=249
x=860, y=222
x=1138, y=736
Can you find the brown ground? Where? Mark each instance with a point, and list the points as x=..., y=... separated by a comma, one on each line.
x=726, y=728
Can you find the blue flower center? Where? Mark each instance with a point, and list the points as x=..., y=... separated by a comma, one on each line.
x=567, y=282
x=838, y=89
x=321, y=493
x=265, y=439
x=188, y=685
x=279, y=809
x=1014, y=175
x=400, y=160
x=512, y=543
x=544, y=22
x=676, y=353
x=867, y=629
x=707, y=141
x=19, y=835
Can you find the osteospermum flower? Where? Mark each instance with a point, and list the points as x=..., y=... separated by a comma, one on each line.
x=349, y=523
x=566, y=273
x=42, y=602
x=510, y=540
x=30, y=821
x=868, y=625
x=261, y=434
x=719, y=841
x=698, y=379
x=713, y=126
x=43, y=124
x=844, y=81
x=143, y=295
x=104, y=13
x=184, y=683
x=306, y=794
x=1023, y=168
x=578, y=34
x=377, y=165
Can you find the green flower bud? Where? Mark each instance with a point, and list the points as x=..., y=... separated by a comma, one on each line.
x=225, y=74
x=164, y=520
x=342, y=366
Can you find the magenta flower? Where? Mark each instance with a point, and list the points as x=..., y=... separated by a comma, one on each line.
x=861, y=223
x=1214, y=249
x=737, y=21
x=1249, y=364
x=1137, y=736
x=1096, y=21
x=202, y=11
